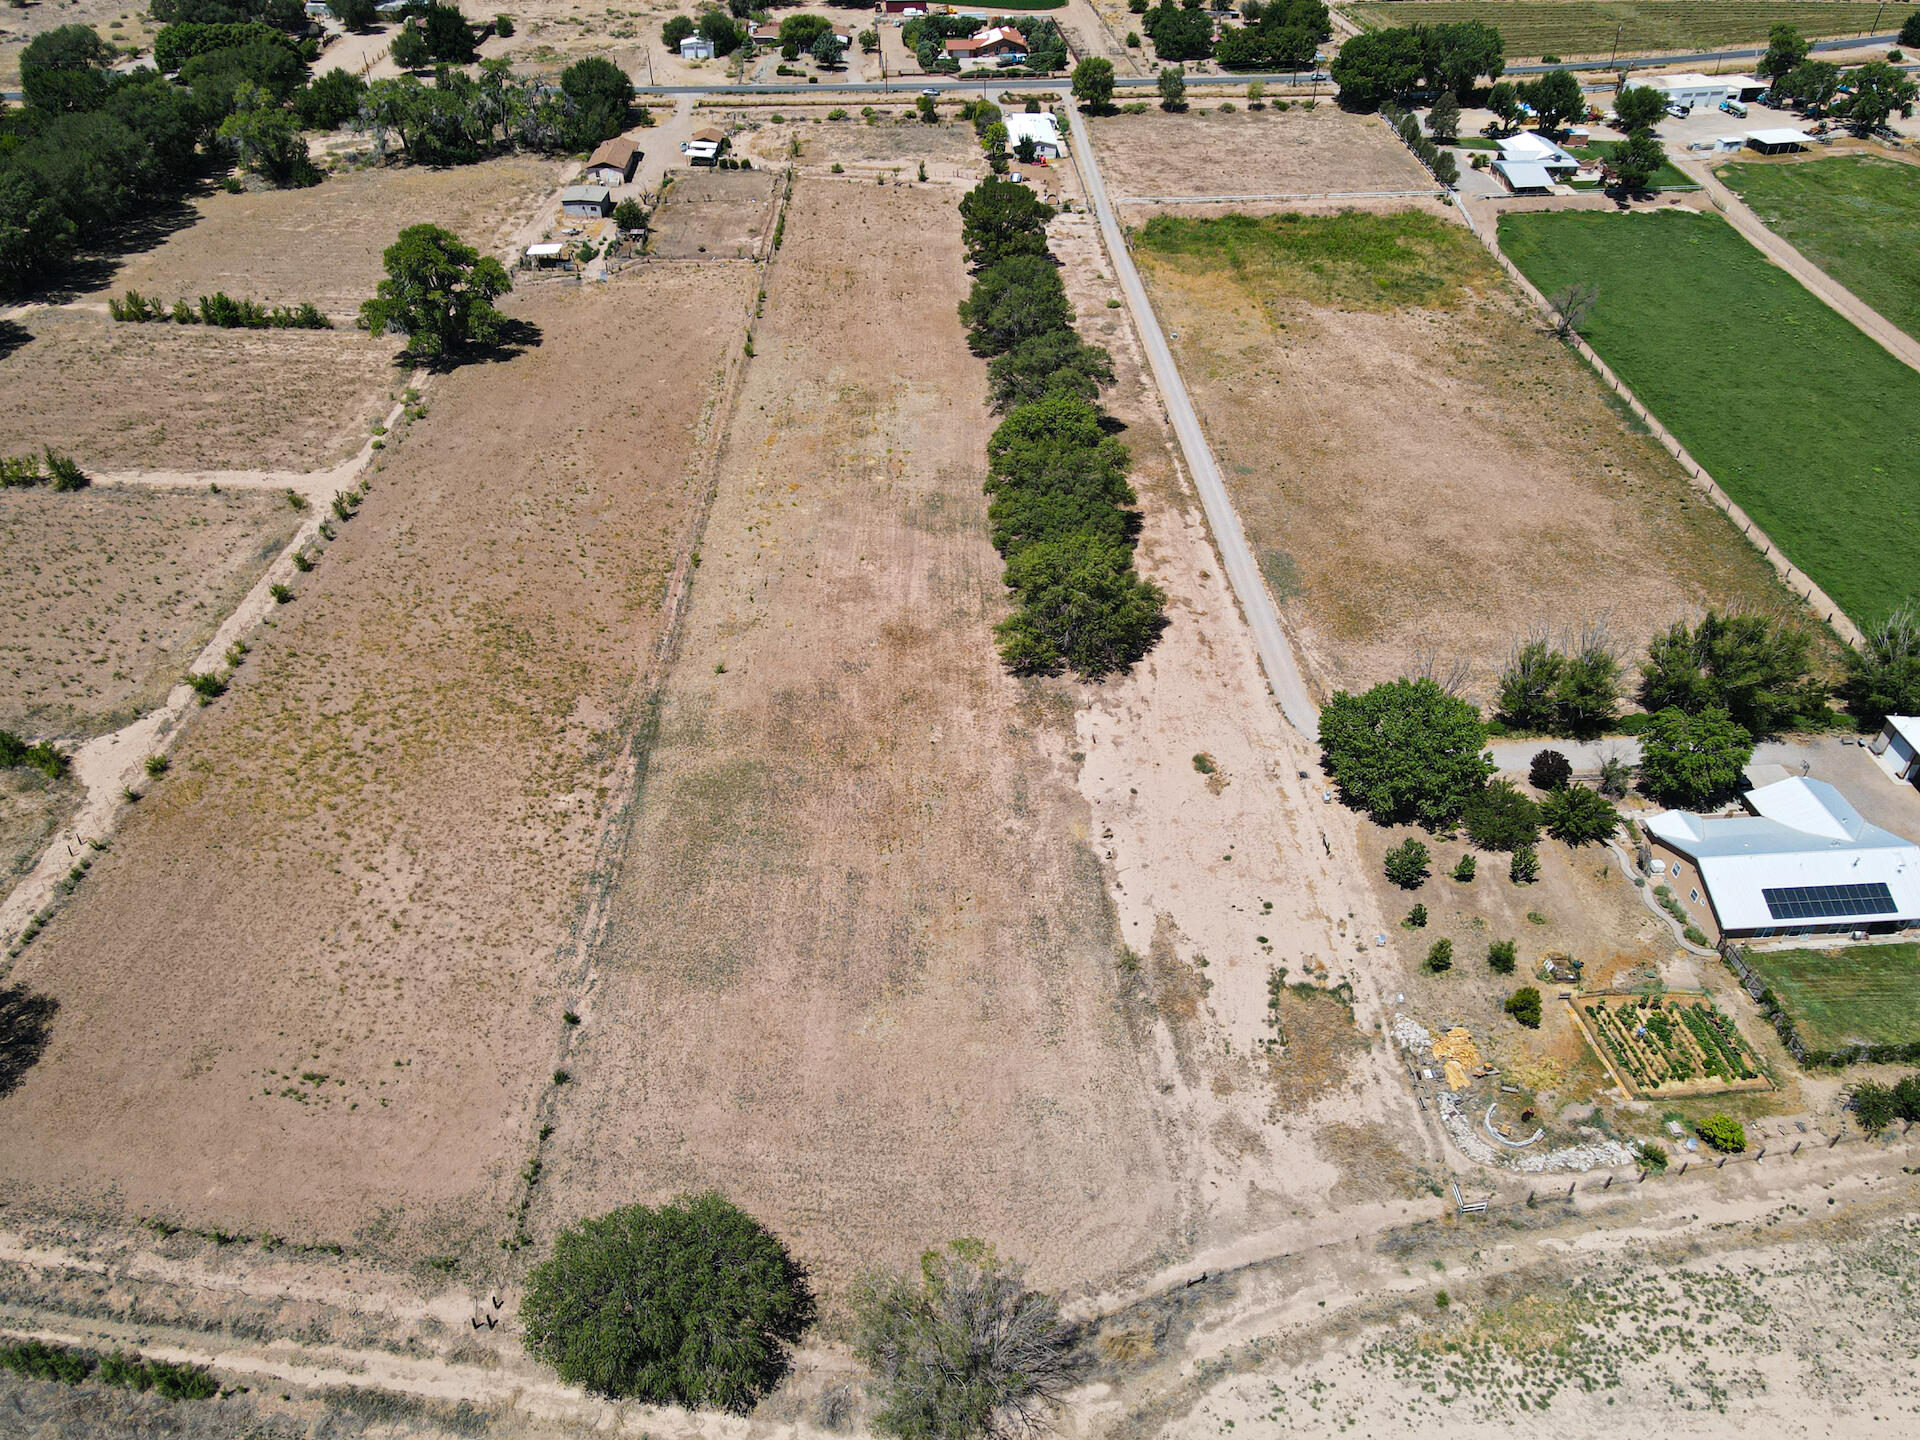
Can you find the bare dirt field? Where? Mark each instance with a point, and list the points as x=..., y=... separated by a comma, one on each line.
x=313, y=987
x=723, y=215
x=1270, y=152
x=897, y=140
x=1437, y=474
x=323, y=244
x=112, y=591
x=180, y=397
x=860, y=972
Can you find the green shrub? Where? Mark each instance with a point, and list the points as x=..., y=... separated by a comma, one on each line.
x=1406, y=863
x=1550, y=770
x=1525, y=869
x=1203, y=762
x=1499, y=817
x=163, y=1377
x=1502, y=957
x=1417, y=918
x=1465, y=869
x=693, y=1303
x=1524, y=1006
x=1440, y=956
x=1906, y=1098
x=1873, y=1105
x=1723, y=1133
x=39, y=1361
x=43, y=756
x=207, y=686
x=282, y=594
x=158, y=765
x=1653, y=1155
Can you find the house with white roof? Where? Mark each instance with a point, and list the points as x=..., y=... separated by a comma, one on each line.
x=1531, y=164
x=1043, y=129
x=1801, y=862
x=1897, y=747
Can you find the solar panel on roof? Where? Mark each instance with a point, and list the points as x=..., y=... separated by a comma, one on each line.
x=1813, y=902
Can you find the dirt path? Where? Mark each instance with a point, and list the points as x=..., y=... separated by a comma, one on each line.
x=111, y=765
x=1891, y=338
x=1256, y=605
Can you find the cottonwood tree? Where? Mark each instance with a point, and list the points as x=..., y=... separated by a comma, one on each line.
x=1504, y=101
x=1556, y=98
x=1081, y=605
x=1693, y=759
x=1093, y=84
x=1883, y=674
x=1755, y=667
x=439, y=293
x=1377, y=66
x=1635, y=161
x=1639, y=107
x=1405, y=751
x=1571, y=305
x=965, y=1349
x=999, y=218
x=1014, y=300
x=1787, y=50
x=1173, y=88
x=694, y=1303
x=1878, y=89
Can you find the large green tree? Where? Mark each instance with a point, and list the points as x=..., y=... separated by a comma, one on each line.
x=1500, y=817
x=1639, y=107
x=1281, y=35
x=1883, y=674
x=694, y=1303
x=999, y=218
x=1014, y=300
x=1093, y=83
x=1878, y=89
x=1787, y=49
x=1057, y=362
x=1755, y=667
x=1405, y=751
x=1575, y=815
x=1693, y=759
x=439, y=293
x=1454, y=57
x=602, y=97
x=1377, y=66
x=65, y=69
x=1635, y=161
x=1081, y=605
x=1557, y=99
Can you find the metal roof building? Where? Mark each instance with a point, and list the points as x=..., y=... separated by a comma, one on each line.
x=1803, y=862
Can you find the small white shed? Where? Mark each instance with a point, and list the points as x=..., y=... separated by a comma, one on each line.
x=1897, y=747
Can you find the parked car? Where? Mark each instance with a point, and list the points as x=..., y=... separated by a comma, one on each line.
x=1679, y=112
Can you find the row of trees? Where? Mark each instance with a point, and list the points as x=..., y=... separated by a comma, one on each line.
x=696, y=1303
x=459, y=119
x=1273, y=35
x=1445, y=168
x=1062, y=511
x=1864, y=97
x=1393, y=64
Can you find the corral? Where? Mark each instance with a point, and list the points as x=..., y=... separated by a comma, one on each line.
x=323, y=244
x=860, y=972
x=371, y=848
x=1251, y=153
x=719, y=215
x=188, y=397
x=1855, y=216
x=1571, y=28
x=1856, y=995
x=1806, y=422
x=1422, y=470
x=112, y=591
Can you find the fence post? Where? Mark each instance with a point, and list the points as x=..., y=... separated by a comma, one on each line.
x=1761, y=1156
x=1685, y=1165
x=1833, y=1142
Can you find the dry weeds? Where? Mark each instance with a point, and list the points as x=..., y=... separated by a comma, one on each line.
x=721, y=215
x=1271, y=152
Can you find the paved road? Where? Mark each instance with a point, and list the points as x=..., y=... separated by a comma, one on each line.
x=1895, y=341
x=1276, y=655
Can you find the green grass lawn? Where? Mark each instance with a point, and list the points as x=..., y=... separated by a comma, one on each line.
x=1855, y=216
x=1667, y=177
x=1869, y=993
x=1808, y=424
x=1584, y=28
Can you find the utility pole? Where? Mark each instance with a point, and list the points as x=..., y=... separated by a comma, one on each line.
x=1616, y=44
x=1876, y=18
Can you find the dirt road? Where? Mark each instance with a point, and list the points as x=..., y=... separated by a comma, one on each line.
x=1891, y=338
x=1276, y=655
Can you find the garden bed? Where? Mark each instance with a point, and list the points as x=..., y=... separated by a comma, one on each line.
x=1672, y=1044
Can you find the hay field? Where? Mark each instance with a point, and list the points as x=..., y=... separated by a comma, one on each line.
x=312, y=988
x=860, y=972
x=1270, y=152
x=177, y=397
x=1420, y=467
x=112, y=591
x=323, y=244
x=1571, y=28
x=1863, y=995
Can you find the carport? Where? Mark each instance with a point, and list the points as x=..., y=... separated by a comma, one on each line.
x=1778, y=142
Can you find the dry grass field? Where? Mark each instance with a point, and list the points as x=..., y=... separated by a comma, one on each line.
x=860, y=972
x=121, y=22
x=32, y=809
x=323, y=244
x=721, y=214
x=1271, y=152
x=113, y=593
x=896, y=141
x=175, y=397
x=1421, y=468
x=313, y=988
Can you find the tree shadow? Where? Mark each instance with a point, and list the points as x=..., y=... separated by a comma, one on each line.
x=12, y=337
x=516, y=337
x=98, y=269
x=26, y=1020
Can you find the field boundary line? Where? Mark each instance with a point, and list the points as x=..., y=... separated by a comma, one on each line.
x=1802, y=584
x=1301, y=195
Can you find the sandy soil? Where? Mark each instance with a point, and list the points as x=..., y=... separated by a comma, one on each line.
x=112, y=592
x=32, y=810
x=726, y=214
x=897, y=142
x=190, y=397
x=1290, y=152
x=1436, y=481
x=346, y=897
x=860, y=972
x=324, y=244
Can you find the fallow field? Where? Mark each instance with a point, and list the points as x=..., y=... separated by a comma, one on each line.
x=313, y=989
x=1424, y=473
x=1271, y=152
x=1807, y=423
x=860, y=971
